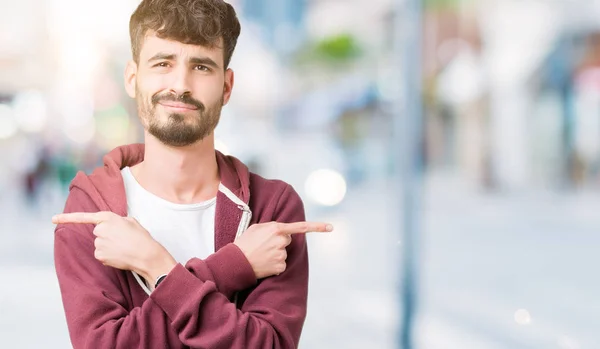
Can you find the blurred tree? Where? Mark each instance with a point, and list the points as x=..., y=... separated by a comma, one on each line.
x=341, y=47
x=333, y=50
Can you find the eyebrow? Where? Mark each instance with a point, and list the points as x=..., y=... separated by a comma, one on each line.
x=194, y=60
x=161, y=55
x=204, y=61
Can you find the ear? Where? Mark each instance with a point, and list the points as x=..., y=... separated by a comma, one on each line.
x=130, y=75
x=228, y=86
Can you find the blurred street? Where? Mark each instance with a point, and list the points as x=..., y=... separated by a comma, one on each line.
x=484, y=257
x=495, y=105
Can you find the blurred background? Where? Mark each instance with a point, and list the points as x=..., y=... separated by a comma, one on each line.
x=505, y=180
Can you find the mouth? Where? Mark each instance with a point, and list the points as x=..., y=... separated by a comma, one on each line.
x=178, y=106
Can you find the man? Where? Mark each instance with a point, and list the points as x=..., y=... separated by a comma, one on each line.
x=171, y=244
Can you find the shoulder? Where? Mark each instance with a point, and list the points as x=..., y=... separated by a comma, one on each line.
x=263, y=186
x=269, y=197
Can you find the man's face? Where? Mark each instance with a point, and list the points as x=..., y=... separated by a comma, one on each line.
x=179, y=88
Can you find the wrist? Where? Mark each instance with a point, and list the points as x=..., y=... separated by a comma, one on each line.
x=247, y=255
x=159, y=262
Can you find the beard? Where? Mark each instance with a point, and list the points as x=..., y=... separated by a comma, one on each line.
x=179, y=130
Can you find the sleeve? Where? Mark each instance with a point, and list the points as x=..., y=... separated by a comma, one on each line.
x=228, y=268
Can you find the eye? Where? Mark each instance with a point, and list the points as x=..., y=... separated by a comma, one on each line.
x=162, y=65
x=202, y=68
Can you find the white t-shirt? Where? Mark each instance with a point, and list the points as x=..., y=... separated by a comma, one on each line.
x=185, y=230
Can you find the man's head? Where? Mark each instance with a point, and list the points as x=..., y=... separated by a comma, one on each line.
x=179, y=74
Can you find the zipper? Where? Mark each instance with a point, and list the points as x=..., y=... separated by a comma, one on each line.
x=244, y=221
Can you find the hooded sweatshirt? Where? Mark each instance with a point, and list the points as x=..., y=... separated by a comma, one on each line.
x=212, y=303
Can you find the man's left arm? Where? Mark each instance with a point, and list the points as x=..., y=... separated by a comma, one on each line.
x=281, y=300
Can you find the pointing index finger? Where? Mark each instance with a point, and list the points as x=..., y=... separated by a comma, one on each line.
x=82, y=217
x=305, y=227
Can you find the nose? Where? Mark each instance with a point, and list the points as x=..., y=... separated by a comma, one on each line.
x=180, y=84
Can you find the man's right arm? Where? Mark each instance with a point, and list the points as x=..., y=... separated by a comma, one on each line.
x=94, y=301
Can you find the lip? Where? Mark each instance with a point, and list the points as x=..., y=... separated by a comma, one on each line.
x=178, y=106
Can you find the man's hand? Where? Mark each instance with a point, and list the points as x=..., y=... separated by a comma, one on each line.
x=122, y=243
x=264, y=245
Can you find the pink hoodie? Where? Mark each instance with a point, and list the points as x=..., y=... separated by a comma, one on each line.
x=212, y=303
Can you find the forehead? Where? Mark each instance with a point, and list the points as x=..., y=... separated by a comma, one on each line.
x=152, y=45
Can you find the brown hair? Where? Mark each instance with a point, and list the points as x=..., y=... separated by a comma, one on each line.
x=197, y=22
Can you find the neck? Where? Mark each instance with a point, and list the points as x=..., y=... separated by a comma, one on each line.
x=181, y=175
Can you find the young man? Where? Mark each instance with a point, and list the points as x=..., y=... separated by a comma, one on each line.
x=171, y=244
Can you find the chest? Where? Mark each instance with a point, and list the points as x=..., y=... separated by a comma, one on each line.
x=185, y=234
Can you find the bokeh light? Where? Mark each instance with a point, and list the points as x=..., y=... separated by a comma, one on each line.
x=326, y=187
